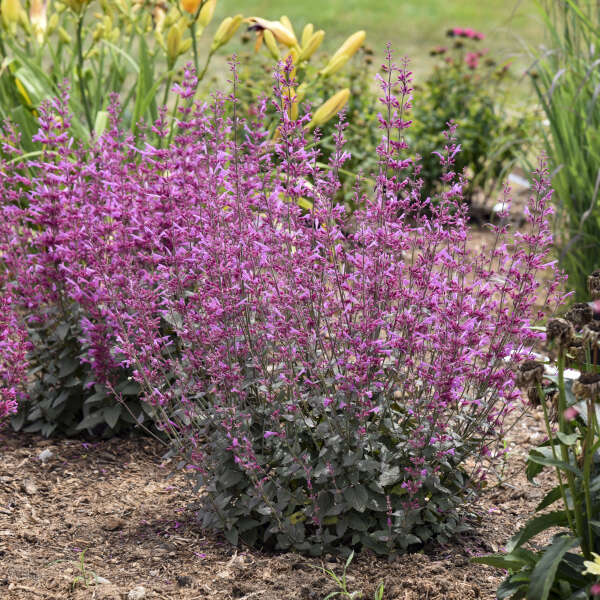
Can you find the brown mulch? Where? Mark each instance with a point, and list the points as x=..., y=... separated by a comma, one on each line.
x=113, y=500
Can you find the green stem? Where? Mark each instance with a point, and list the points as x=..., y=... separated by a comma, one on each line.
x=563, y=427
x=561, y=485
x=201, y=76
x=84, y=99
x=194, y=44
x=588, y=455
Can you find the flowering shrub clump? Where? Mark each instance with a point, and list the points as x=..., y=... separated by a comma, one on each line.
x=330, y=381
x=13, y=351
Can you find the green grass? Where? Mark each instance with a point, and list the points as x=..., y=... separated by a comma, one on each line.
x=413, y=26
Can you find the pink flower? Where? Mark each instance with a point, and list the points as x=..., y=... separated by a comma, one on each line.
x=595, y=589
x=570, y=413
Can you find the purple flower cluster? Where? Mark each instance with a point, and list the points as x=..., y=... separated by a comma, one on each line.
x=196, y=263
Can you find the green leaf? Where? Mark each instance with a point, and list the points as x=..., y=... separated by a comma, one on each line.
x=540, y=459
x=357, y=496
x=550, y=498
x=567, y=439
x=112, y=414
x=542, y=577
x=389, y=476
x=500, y=561
x=536, y=525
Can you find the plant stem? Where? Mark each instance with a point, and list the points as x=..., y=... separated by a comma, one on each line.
x=562, y=426
x=194, y=44
x=201, y=76
x=84, y=99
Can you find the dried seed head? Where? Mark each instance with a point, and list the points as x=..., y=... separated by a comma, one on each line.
x=533, y=396
x=591, y=333
x=579, y=314
x=529, y=374
x=577, y=350
x=560, y=331
x=587, y=386
x=594, y=284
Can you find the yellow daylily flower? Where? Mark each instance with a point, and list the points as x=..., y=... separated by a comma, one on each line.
x=190, y=6
x=282, y=34
x=592, y=567
x=10, y=12
x=38, y=18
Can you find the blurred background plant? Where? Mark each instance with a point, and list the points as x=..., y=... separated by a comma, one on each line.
x=569, y=566
x=473, y=89
x=127, y=47
x=567, y=81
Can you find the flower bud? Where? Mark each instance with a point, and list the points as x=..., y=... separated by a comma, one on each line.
x=10, y=11
x=351, y=45
x=53, y=23
x=334, y=65
x=63, y=36
x=206, y=13
x=307, y=33
x=190, y=6
x=330, y=108
x=225, y=31
x=271, y=44
x=76, y=5
x=173, y=42
x=311, y=47
x=288, y=25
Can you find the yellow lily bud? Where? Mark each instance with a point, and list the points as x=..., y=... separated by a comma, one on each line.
x=351, y=45
x=288, y=25
x=334, y=65
x=185, y=45
x=330, y=108
x=311, y=47
x=271, y=44
x=190, y=6
x=225, y=31
x=301, y=92
x=282, y=34
x=64, y=36
x=173, y=43
x=207, y=12
x=76, y=5
x=52, y=23
x=307, y=33
x=10, y=11
x=38, y=19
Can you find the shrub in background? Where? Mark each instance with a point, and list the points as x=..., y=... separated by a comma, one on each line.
x=567, y=80
x=330, y=382
x=569, y=567
x=470, y=88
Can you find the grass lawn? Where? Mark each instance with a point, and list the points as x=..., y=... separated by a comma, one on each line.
x=413, y=26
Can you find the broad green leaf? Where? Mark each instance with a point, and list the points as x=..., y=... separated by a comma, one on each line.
x=542, y=577
x=112, y=414
x=536, y=525
x=357, y=496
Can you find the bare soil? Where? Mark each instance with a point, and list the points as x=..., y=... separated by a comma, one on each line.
x=113, y=500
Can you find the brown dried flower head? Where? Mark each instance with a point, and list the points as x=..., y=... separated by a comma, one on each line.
x=587, y=386
x=533, y=396
x=591, y=333
x=594, y=284
x=560, y=331
x=577, y=351
x=529, y=374
x=580, y=314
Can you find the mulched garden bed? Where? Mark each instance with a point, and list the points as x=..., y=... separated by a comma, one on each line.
x=113, y=500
